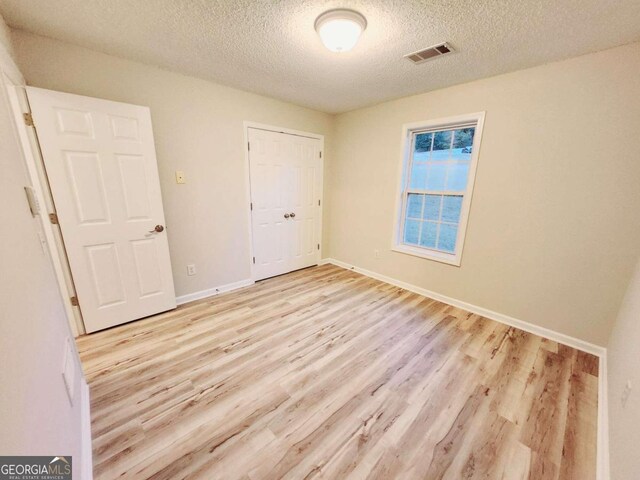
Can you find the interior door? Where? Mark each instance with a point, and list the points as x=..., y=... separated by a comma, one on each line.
x=101, y=165
x=286, y=193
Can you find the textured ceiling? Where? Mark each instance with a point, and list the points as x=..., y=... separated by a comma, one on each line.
x=271, y=48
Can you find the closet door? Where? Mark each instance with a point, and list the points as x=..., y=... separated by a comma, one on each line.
x=286, y=191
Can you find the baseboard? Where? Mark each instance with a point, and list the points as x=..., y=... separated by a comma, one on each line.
x=498, y=317
x=210, y=292
x=600, y=352
x=86, y=466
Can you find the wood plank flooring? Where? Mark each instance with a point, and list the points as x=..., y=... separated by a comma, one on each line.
x=325, y=373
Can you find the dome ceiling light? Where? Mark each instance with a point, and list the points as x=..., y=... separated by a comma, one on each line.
x=340, y=29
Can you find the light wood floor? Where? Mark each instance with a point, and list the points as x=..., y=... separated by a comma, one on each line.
x=324, y=373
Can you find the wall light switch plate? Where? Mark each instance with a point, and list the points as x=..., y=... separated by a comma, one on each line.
x=32, y=200
x=180, y=178
x=191, y=269
x=69, y=369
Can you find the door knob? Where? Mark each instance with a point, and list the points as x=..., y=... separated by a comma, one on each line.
x=293, y=215
x=286, y=215
x=157, y=228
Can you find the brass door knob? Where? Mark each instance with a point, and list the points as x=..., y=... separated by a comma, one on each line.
x=286, y=215
x=157, y=228
x=293, y=215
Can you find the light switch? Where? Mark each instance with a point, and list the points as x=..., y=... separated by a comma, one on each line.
x=32, y=199
x=180, y=177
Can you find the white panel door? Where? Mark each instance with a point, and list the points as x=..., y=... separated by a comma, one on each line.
x=286, y=191
x=101, y=165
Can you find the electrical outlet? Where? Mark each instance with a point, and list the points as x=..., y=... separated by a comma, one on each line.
x=376, y=254
x=180, y=178
x=191, y=269
x=625, y=393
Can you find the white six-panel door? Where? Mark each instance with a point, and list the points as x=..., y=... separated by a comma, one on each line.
x=286, y=191
x=101, y=165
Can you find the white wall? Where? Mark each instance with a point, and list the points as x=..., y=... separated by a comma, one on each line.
x=35, y=413
x=198, y=128
x=552, y=236
x=623, y=362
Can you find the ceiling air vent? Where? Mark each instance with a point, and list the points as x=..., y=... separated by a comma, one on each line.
x=430, y=53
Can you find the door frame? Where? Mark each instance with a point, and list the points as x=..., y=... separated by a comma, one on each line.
x=14, y=81
x=247, y=175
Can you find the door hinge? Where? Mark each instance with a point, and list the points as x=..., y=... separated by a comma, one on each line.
x=251, y=205
x=320, y=154
x=318, y=246
x=249, y=146
x=74, y=301
x=318, y=202
x=254, y=259
x=28, y=119
x=53, y=218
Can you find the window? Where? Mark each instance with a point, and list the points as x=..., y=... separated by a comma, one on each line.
x=438, y=171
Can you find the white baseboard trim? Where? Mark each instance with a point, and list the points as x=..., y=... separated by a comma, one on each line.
x=600, y=352
x=86, y=464
x=498, y=317
x=210, y=292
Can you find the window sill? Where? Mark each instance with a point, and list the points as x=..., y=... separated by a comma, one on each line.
x=449, y=259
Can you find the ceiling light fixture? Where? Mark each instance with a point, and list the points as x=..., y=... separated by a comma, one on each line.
x=340, y=29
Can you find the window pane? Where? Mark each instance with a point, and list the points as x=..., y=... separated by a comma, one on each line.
x=418, y=176
x=429, y=233
x=411, y=231
x=437, y=173
x=414, y=205
x=441, y=146
x=451, y=208
x=423, y=142
x=432, y=207
x=463, y=137
x=461, y=154
x=457, y=176
x=421, y=156
x=442, y=140
x=462, y=142
x=447, y=238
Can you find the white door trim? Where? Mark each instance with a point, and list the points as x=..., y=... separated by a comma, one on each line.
x=247, y=176
x=55, y=247
x=14, y=80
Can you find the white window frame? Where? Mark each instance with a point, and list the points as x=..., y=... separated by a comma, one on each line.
x=402, y=185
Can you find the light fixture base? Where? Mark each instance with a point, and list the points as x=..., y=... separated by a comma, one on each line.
x=340, y=28
x=341, y=14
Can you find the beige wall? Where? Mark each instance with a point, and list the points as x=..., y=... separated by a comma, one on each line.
x=5, y=37
x=623, y=360
x=551, y=239
x=198, y=128
x=36, y=417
